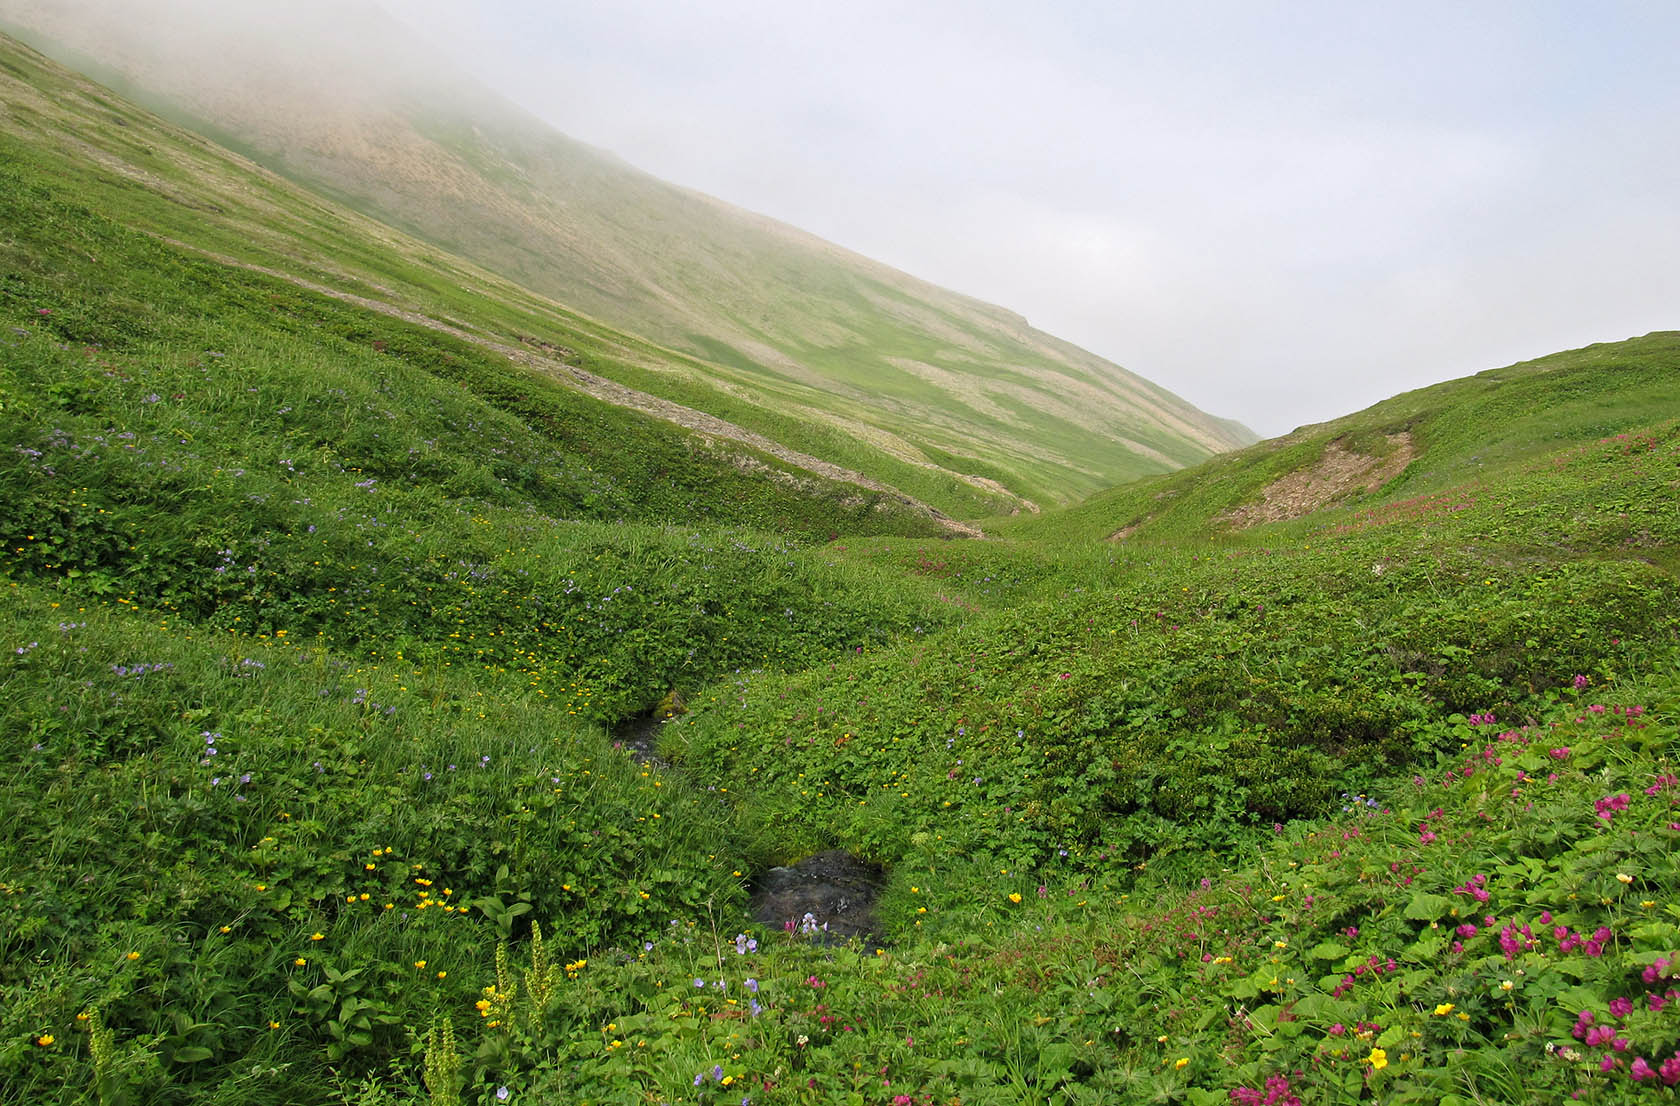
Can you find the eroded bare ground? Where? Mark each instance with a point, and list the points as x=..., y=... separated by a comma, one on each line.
x=551, y=361
x=1338, y=473
x=1127, y=530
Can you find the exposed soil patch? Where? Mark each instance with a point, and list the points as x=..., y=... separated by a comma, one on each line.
x=1340, y=472
x=829, y=897
x=1127, y=530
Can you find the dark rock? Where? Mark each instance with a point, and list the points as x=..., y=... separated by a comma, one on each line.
x=835, y=889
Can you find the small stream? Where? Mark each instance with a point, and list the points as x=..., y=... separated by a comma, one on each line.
x=829, y=897
x=639, y=736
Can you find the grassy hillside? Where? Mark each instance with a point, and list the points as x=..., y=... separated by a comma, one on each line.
x=815, y=334
x=315, y=620
x=77, y=141
x=1175, y=822
x=1423, y=447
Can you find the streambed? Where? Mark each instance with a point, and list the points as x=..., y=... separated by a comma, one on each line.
x=829, y=896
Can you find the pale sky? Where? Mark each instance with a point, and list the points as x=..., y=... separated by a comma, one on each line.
x=1283, y=212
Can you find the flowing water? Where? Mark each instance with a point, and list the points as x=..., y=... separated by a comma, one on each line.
x=829, y=897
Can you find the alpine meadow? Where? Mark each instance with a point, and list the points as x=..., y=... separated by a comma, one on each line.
x=422, y=685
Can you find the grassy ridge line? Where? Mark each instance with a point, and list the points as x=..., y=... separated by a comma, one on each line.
x=232, y=206
x=1481, y=428
x=79, y=141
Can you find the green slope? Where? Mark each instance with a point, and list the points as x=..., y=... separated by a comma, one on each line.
x=814, y=333
x=311, y=615
x=78, y=139
x=1444, y=440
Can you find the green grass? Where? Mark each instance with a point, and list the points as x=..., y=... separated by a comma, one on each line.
x=1482, y=429
x=306, y=610
x=744, y=302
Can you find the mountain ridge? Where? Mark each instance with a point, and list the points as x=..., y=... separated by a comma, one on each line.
x=809, y=327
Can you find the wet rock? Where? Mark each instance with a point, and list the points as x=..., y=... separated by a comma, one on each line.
x=639, y=737
x=829, y=896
